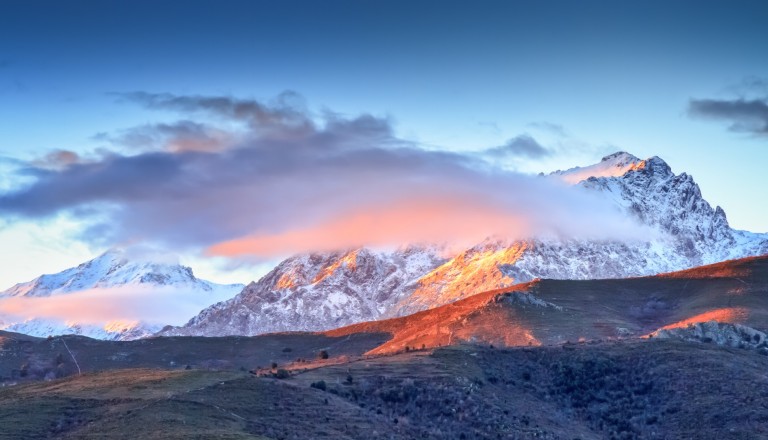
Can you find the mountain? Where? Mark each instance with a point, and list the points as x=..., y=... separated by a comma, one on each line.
x=317, y=291
x=553, y=312
x=354, y=286
x=447, y=372
x=114, y=272
x=113, y=268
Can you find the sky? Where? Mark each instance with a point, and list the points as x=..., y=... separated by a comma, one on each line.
x=236, y=132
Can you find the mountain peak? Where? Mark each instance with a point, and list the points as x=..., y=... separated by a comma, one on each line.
x=621, y=157
x=613, y=165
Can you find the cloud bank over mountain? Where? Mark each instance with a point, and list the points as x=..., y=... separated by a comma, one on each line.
x=265, y=179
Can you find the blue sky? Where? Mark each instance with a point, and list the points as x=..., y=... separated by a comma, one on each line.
x=583, y=78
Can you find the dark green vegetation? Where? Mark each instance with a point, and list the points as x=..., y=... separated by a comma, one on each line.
x=624, y=390
x=24, y=359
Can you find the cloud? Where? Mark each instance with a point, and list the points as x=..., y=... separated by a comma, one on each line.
x=57, y=159
x=745, y=115
x=519, y=146
x=184, y=135
x=152, y=304
x=295, y=182
x=286, y=111
x=750, y=85
x=549, y=127
x=462, y=219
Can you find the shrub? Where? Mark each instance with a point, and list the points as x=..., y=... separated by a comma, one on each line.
x=320, y=385
x=282, y=374
x=323, y=354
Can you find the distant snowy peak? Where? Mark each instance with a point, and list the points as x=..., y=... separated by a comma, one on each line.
x=614, y=165
x=132, y=277
x=113, y=268
x=110, y=331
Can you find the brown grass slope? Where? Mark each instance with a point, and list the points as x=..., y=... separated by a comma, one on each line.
x=556, y=311
x=23, y=358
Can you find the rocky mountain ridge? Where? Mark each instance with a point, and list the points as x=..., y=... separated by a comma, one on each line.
x=323, y=291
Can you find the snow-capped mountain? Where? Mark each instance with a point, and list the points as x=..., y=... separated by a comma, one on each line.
x=322, y=291
x=111, y=269
x=117, y=273
x=318, y=291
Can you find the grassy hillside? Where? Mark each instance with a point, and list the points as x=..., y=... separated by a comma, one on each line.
x=565, y=310
x=625, y=390
x=24, y=359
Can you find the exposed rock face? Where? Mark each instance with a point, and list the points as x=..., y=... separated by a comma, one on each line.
x=730, y=335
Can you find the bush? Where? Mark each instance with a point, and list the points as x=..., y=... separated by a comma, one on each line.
x=282, y=374
x=320, y=385
x=323, y=354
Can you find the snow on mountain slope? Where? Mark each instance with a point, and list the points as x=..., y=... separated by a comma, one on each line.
x=317, y=291
x=690, y=233
x=128, y=280
x=353, y=286
x=112, y=268
x=474, y=270
x=614, y=165
x=111, y=331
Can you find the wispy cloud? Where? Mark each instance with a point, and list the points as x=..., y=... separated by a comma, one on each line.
x=549, y=127
x=57, y=159
x=158, y=305
x=294, y=181
x=184, y=135
x=519, y=146
x=287, y=110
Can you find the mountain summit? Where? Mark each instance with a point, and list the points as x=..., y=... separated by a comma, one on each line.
x=115, y=267
x=115, y=271
x=613, y=165
x=322, y=291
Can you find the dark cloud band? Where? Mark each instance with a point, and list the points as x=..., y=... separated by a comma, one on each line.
x=745, y=115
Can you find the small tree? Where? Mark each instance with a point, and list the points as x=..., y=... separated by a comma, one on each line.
x=323, y=354
x=320, y=385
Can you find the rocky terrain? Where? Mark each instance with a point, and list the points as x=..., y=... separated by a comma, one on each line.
x=323, y=291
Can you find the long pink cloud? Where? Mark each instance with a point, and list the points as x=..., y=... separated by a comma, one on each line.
x=98, y=306
x=457, y=220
